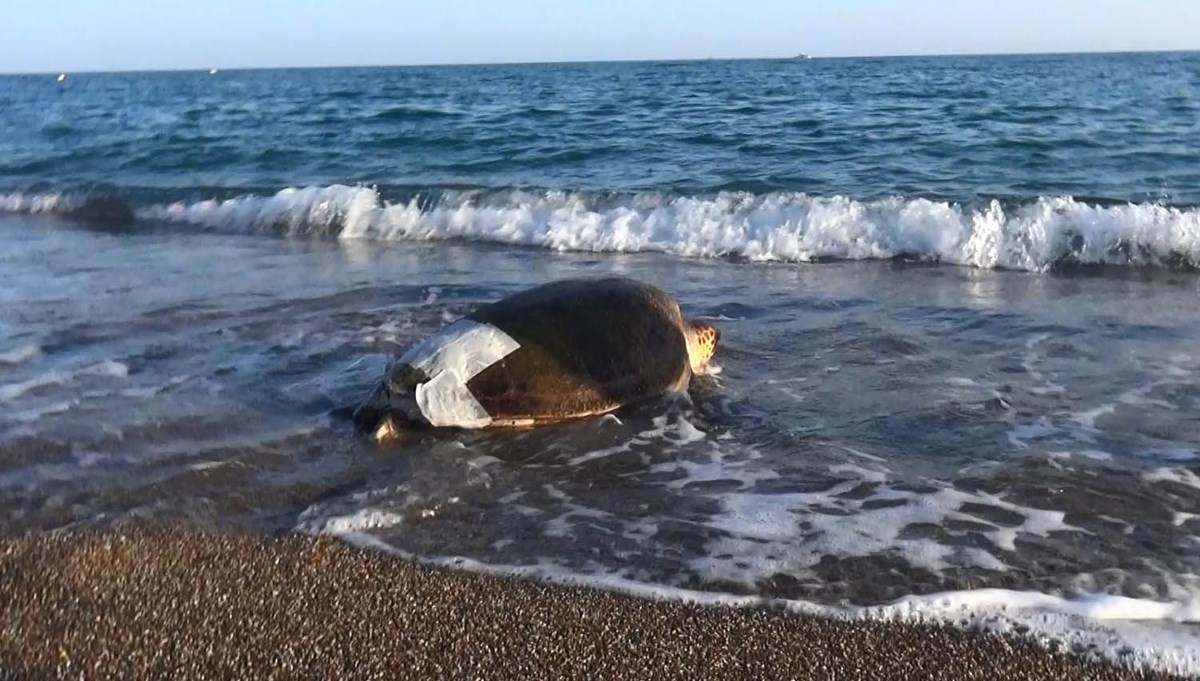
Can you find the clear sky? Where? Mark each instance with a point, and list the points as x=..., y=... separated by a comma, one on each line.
x=93, y=35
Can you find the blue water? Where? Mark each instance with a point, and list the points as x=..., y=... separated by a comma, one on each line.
x=957, y=297
x=1117, y=128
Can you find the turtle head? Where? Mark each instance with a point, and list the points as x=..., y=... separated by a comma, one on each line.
x=374, y=416
x=702, y=339
x=391, y=408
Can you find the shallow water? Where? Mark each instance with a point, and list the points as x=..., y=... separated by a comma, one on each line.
x=884, y=424
x=876, y=430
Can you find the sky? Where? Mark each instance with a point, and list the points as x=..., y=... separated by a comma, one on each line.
x=106, y=35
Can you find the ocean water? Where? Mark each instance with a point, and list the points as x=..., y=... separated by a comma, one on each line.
x=960, y=375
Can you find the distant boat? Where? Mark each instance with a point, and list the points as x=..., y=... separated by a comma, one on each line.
x=212, y=72
x=62, y=77
x=802, y=56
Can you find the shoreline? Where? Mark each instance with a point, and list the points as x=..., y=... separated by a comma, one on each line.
x=160, y=602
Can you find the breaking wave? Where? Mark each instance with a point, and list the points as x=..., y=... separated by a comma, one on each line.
x=37, y=203
x=97, y=209
x=1036, y=235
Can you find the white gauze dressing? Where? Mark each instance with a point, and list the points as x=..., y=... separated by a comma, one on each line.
x=450, y=358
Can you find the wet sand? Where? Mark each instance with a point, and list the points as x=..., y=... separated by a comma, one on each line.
x=162, y=603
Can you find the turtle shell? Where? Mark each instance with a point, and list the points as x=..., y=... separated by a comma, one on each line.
x=586, y=347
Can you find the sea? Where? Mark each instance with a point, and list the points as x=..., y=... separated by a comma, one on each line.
x=959, y=375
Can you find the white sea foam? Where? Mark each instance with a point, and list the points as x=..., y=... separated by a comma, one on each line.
x=316, y=211
x=20, y=355
x=1095, y=606
x=1087, y=419
x=18, y=202
x=1179, y=517
x=1180, y=476
x=11, y=391
x=779, y=226
x=708, y=460
x=1171, y=453
x=764, y=534
x=32, y=415
x=674, y=431
x=1020, y=435
x=358, y=521
x=1129, y=631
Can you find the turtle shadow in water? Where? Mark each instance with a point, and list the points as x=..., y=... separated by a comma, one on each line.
x=570, y=440
x=629, y=437
x=703, y=405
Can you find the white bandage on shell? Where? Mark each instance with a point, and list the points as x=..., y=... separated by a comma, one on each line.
x=451, y=358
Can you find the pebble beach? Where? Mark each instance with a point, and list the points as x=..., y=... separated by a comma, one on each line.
x=170, y=603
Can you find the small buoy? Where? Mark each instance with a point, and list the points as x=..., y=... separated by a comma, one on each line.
x=62, y=77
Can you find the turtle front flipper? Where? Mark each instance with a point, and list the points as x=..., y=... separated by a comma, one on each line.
x=372, y=411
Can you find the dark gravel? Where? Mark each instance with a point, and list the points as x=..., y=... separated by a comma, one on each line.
x=155, y=603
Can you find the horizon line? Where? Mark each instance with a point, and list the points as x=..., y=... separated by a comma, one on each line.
x=801, y=56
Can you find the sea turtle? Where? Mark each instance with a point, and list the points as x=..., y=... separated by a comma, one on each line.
x=561, y=350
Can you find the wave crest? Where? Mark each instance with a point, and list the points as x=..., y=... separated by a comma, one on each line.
x=97, y=209
x=311, y=211
x=54, y=203
x=783, y=226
